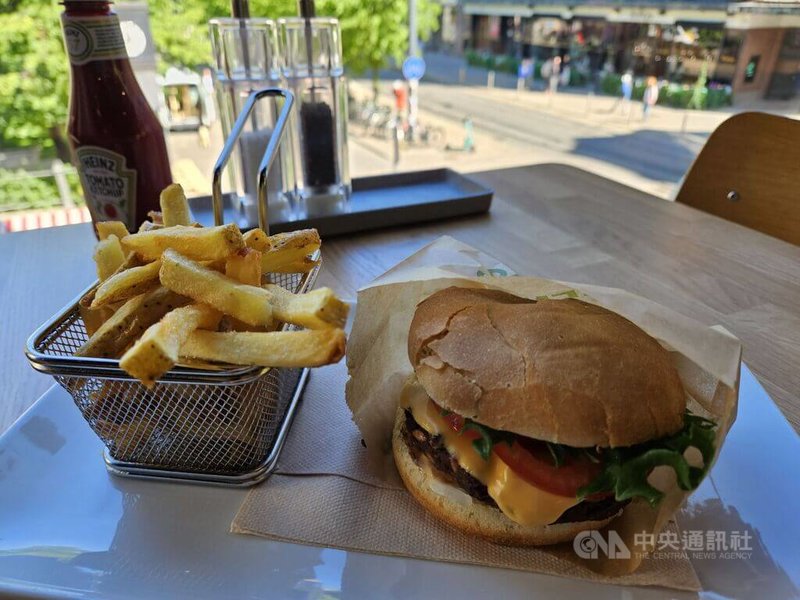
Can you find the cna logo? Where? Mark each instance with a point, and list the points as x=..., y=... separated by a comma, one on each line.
x=589, y=544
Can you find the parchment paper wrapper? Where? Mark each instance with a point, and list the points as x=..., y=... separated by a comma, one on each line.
x=330, y=490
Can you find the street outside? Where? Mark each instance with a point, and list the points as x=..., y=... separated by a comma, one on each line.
x=511, y=128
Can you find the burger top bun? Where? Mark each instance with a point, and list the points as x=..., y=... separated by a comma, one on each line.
x=563, y=371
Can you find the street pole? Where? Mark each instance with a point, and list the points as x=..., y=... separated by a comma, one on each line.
x=413, y=41
x=413, y=50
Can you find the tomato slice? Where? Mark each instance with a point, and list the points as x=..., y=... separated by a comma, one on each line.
x=453, y=420
x=456, y=423
x=532, y=461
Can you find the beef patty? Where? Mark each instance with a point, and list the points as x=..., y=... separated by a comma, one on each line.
x=421, y=443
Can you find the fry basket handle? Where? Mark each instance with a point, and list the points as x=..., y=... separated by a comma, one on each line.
x=266, y=161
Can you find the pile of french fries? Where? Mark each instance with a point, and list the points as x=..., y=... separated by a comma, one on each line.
x=178, y=293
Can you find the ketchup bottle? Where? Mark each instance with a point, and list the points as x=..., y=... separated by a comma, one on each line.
x=116, y=138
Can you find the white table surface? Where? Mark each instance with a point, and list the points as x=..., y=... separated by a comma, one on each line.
x=68, y=529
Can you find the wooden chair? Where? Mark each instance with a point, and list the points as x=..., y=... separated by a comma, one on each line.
x=749, y=172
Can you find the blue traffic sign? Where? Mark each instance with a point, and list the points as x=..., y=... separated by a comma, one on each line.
x=413, y=67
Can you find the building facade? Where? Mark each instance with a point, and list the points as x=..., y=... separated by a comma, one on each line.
x=754, y=47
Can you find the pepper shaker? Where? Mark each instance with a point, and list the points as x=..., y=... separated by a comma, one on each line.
x=311, y=67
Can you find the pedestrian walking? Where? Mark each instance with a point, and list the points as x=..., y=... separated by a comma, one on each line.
x=400, y=98
x=566, y=69
x=650, y=96
x=551, y=71
x=627, y=86
x=626, y=83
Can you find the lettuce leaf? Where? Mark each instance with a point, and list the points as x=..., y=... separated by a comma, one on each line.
x=625, y=470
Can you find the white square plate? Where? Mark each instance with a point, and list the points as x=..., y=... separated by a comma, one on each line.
x=68, y=529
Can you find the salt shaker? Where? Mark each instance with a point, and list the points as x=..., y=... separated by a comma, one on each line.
x=246, y=55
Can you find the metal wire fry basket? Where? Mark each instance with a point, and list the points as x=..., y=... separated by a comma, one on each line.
x=221, y=425
x=213, y=425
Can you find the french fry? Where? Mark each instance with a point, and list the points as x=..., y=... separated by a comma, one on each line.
x=244, y=267
x=156, y=216
x=106, y=228
x=129, y=322
x=308, y=348
x=277, y=258
x=304, y=265
x=228, y=323
x=256, y=239
x=156, y=352
x=108, y=257
x=126, y=435
x=244, y=302
x=295, y=239
x=149, y=226
x=318, y=309
x=198, y=243
x=174, y=207
x=127, y=283
x=287, y=248
x=93, y=318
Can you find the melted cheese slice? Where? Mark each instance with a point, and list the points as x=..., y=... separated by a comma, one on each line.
x=519, y=500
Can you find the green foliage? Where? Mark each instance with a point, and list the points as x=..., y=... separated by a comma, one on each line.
x=510, y=64
x=34, y=69
x=611, y=84
x=180, y=28
x=373, y=31
x=19, y=191
x=485, y=60
x=34, y=74
x=673, y=94
x=577, y=78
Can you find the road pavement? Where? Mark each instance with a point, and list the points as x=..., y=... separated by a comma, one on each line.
x=511, y=128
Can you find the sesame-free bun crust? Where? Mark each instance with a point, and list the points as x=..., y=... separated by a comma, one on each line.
x=476, y=518
x=563, y=371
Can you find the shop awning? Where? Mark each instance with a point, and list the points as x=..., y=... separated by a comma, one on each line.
x=498, y=10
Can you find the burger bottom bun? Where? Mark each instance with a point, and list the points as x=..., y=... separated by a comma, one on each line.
x=477, y=518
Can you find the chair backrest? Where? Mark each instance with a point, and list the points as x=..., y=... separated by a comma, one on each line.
x=749, y=172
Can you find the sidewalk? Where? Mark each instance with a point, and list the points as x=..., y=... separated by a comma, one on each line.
x=583, y=105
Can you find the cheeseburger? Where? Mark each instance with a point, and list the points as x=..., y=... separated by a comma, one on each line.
x=528, y=421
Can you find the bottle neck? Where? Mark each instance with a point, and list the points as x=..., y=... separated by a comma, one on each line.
x=92, y=33
x=82, y=8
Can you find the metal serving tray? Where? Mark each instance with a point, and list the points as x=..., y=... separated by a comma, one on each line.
x=376, y=202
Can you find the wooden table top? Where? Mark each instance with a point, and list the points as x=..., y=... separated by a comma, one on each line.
x=547, y=220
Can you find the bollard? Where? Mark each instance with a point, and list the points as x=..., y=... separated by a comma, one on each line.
x=57, y=168
x=589, y=101
x=520, y=84
x=462, y=74
x=685, y=121
x=396, y=144
x=490, y=79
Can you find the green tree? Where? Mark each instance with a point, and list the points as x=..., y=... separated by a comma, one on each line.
x=373, y=31
x=34, y=77
x=34, y=70
x=180, y=27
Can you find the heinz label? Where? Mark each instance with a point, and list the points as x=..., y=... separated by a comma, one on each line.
x=109, y=187
x=93, y=38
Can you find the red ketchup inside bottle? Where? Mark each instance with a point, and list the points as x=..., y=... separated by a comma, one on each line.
x=116, y=138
